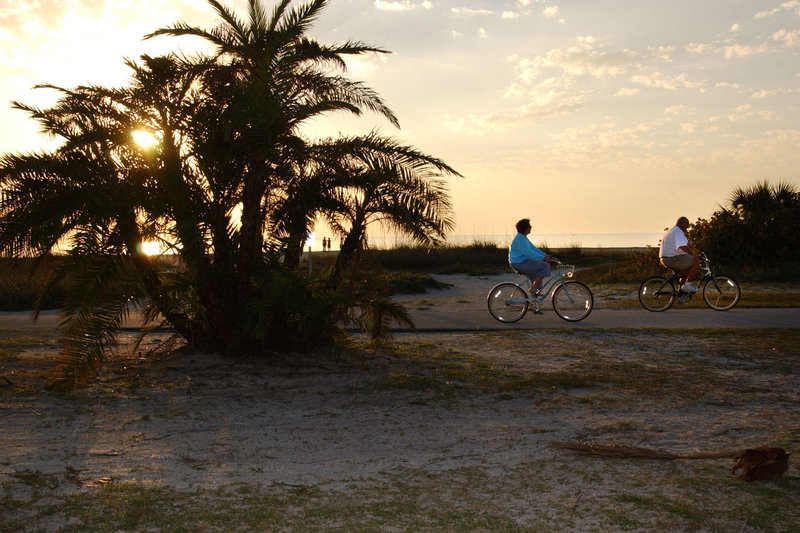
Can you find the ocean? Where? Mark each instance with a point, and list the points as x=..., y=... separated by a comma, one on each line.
x=552, y=240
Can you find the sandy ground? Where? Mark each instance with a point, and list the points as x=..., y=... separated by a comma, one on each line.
x=197, y=422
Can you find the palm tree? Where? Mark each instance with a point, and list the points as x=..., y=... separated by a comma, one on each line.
x=100, y=197
x=390, y=184
x=231, y=184
x=280, y=79
x=762, y=202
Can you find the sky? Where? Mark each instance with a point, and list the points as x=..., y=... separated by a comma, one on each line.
x=586, y=116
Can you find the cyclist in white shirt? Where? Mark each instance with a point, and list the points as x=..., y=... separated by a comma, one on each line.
x=676, y=253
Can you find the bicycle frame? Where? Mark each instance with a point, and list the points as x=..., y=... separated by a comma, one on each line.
x=546, y=288
x=705, y=270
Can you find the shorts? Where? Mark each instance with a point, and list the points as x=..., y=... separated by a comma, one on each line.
x=532, y=269
x=678, y=262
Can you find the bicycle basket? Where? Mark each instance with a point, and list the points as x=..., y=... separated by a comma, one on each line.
x=566, y=270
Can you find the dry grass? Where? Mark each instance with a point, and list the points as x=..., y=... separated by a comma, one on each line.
x=430, y=433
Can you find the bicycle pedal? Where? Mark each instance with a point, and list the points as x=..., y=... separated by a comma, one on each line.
x=538, y=312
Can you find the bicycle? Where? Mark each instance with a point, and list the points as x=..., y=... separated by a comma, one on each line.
x=572, y=300
x=720, y=293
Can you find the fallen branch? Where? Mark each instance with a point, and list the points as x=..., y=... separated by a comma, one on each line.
x=764, y=462
x=636, y=452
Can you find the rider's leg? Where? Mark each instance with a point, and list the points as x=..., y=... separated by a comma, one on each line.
x=535, y=284
x=692, y=272
x=535, y=271
x=685, y=266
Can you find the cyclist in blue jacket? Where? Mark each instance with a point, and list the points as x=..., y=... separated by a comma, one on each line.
x=526, y=258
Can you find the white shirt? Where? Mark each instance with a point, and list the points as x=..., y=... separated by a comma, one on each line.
x=672, y=242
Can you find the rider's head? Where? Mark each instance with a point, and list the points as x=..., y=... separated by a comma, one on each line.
x=683, y=223
x=523, y=225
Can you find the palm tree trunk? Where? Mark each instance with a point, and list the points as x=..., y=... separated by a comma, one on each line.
x=348, y=252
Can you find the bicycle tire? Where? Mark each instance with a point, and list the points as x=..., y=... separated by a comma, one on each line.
x=572, y=301
x=507, y=302
x=721, y=293
x=657, y=294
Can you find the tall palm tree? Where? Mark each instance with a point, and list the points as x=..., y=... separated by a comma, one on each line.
x=280, y=79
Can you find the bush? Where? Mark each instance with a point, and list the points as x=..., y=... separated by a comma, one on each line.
x=472, y=259
x=759, y=229
x=20, y=287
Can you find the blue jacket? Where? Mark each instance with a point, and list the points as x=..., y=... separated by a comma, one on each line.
x=521, y=249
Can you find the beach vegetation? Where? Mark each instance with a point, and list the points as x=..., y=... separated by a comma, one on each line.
x=756, y=233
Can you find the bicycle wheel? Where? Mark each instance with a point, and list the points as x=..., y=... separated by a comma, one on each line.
x=572, y=301
x=721, y=293
x=656, y=294
x=507, y=302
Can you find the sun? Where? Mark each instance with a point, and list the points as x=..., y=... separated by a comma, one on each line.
x=145, y=139
x=151, y=247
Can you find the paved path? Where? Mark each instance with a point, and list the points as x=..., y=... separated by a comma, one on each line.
x=475, y=319
x=481, y=320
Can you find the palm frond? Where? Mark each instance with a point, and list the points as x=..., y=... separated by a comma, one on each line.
x=101, y=291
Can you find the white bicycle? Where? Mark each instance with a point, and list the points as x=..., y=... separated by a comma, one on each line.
x=572, y=300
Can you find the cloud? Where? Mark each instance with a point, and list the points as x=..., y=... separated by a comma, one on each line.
x=363, y=66
x=40, y=37
x=699, y=48
x=482, y=33
x=734, y=27
x=549, y=102
x=740, y=113
x=585, y=56
x=523, y=9
x=744, y=50
x=659, y=80
x=675, y=110
x=790, y=5
x=550, y=11
x=764, y=14
x=401, y=5
x=765, y=93
x=628, y=91
x=468, y=11
x=789, y=38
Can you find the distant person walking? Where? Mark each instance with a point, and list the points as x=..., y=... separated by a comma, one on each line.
x=676, y=253
x=526, y=258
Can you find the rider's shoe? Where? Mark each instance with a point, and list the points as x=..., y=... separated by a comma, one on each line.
x=688, y=287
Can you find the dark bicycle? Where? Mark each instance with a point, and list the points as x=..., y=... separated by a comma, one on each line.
x=719, y=292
